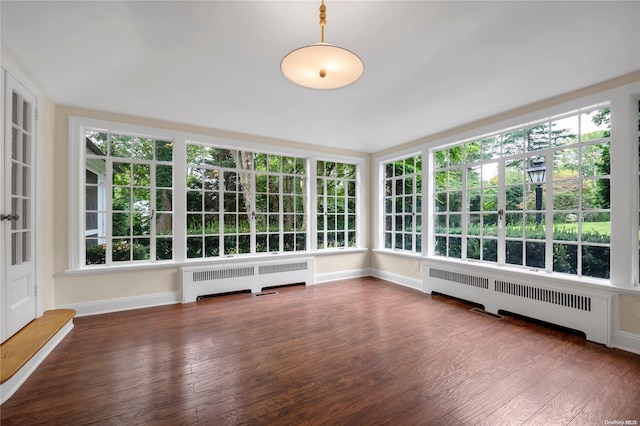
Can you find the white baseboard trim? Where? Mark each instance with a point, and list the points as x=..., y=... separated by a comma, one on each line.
x=341, y=275
x=416, y=284
x=626, y=341
x=8, y=388
x=124, y=304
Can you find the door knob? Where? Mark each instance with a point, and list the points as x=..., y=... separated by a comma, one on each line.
x=9, y=217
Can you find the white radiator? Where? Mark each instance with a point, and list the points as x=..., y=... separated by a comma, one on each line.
x=254, y=276
x=586, y=310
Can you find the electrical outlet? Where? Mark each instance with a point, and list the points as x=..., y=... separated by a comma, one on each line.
x=638, y=310
x=417, y=266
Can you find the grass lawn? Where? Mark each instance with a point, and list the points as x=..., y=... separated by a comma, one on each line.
x=603, y=228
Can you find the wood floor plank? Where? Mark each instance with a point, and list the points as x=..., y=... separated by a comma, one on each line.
x=360, y=351
x=565, y=406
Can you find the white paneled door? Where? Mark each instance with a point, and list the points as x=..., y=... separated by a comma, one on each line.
x=17, y=208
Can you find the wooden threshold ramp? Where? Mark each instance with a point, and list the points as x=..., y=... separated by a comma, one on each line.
x=16, y=351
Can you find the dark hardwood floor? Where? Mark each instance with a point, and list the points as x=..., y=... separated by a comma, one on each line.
x=353, y=352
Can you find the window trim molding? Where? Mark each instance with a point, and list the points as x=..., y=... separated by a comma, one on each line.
x=379, y=208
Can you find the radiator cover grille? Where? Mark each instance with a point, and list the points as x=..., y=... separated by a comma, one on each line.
x=283, y=267
x=555, y=297
x=472, y=280
x=221, y=274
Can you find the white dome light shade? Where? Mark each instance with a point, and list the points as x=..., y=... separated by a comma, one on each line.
x=322, y=66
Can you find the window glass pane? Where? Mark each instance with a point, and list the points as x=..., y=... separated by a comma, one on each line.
x=565, y=226
x=595, y=160
x=473, y=248
x=121, y=249
x=564, y=131
x=513, y=253
x=491, y=147
x=513, y=142
x=164, y=151
x=514, y=226
x=473, y=177
x=141, y=248
x=489, y=250
x=595, y=261
x=474, y=224
x=95, y=252
x=120, y=146
x=565, y=258
x=142, y=148
x=473, y=151
x=595, y=125
x=536, y=137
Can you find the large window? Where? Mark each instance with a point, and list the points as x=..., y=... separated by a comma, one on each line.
x=128, y=204
x=403, y=204
x=535, y=196
x=168, y=198
x=241, y=202
x=336, y=204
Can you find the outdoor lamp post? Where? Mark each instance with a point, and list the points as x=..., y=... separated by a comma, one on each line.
x=536, y=176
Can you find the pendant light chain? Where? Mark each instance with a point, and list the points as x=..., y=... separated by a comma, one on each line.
x=323, y=18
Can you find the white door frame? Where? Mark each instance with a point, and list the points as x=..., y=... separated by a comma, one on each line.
x=7, y=67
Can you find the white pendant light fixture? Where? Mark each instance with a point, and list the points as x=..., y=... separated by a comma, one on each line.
x=322, y=65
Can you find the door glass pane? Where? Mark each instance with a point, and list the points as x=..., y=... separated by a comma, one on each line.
x=14, y=249
x=14, y=210
x=26, y=116
x=26, y=247
x=14, y=144
x=26, y=185
x=25, y=214
x=14, y=108
x=14, y=178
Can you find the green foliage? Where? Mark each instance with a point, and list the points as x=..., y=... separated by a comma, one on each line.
x=603, y=186
x=122, y=251
x=565, y=258
x=95, y=255
x=596, y=261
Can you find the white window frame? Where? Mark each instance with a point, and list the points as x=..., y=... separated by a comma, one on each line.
x=253, y=233
x=325, y=231
x=381, y=207
x=548, y=210
x=76, y=189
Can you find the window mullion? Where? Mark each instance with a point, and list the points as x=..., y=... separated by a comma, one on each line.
x=502, y=202
x=252, y=213
x=548, y=212
x=154, y=213
x=280, y=212
x=463, y=213
x=179, y=204
x=109, y=210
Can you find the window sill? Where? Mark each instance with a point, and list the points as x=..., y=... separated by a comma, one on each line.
x=335, y=251
x=400, y=253
x=135, y=267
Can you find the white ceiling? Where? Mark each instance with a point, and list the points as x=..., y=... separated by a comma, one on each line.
x=429, y=66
